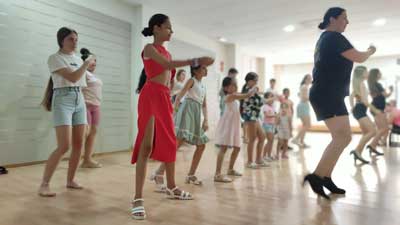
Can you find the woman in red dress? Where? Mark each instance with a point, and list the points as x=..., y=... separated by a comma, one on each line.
x=156, y=136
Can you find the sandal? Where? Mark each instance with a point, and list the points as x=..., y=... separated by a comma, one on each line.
x=160, y=187
x=304, y=145
x=192, y=179
x=138, y=212
x=234, y=173
x=182, y=196
x=3, y=170
x=263, y=164
x=252, y=166
x=222, y=179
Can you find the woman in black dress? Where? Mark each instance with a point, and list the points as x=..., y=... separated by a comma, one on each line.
x=333, y=63
x=379, y=95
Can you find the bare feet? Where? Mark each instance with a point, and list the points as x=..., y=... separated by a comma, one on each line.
x=74, y=185
x=91, y=164
x=44, y=191
x=284, y=156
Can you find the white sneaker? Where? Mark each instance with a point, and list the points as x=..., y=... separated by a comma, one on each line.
x=296, y=142
x=269, y=159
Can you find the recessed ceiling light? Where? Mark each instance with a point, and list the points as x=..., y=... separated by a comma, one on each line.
x=222, y=39
x=289, y=28
x=379, y=22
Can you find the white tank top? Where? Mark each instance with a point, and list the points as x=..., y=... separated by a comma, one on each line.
x=197, y=92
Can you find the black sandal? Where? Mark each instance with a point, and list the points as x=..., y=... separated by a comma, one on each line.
x=3, y=170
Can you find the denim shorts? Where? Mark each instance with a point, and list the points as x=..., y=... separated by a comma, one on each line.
x=68, y=106
x=268, y=128
x=303, y=110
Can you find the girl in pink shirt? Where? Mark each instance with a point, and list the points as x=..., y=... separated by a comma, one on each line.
x=93, y=95
x=269, y=125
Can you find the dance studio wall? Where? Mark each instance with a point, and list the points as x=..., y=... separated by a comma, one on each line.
x=28, y=37
x=290, y=76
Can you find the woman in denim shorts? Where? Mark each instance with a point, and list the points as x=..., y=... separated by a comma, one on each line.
x=64, y=97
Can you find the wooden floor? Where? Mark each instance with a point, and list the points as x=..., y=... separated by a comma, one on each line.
x=264, y=196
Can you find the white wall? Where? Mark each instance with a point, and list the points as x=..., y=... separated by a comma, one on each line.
x=133, y=15
x=28, y=37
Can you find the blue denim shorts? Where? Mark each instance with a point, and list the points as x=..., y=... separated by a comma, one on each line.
x=68, y=106
x=303, y=110
x=268, y=128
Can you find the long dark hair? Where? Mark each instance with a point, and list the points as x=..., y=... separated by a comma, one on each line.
x=304, y=79
x=142, y=81
x=373, y=81
x=334, y=12
x=155, y=20
x=249, y=76
x=48, y=96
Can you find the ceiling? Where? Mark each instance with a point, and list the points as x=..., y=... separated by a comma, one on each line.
x=256, y=26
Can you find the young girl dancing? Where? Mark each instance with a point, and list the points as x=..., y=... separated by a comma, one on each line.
x=156, y=136
x=228, y=128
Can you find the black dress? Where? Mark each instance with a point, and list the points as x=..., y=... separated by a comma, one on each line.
x=379, y=100
x=331, y=76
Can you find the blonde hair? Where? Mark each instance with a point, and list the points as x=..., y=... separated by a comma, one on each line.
x=358, y=78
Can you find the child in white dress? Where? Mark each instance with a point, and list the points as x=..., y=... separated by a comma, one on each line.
x=284, y=123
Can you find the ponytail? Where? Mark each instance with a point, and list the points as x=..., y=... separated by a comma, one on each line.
x=142, y=81
x=48, y=96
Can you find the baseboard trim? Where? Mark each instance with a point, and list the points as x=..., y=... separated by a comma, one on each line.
x=64, y=159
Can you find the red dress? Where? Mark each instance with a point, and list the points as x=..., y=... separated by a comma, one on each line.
x=155, y=100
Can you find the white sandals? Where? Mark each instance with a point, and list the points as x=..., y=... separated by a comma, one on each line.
x=234, y=173
x=182, y=196
x=252, y=166
x=160, y=188
x=263, y=164
x=222, y=179
x=192, y=179
x=138, y=212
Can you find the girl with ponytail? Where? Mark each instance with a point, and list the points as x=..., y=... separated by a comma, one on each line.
x=156, y=136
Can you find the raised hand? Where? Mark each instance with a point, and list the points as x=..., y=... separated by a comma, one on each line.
x=371, y=49
x=205, y=61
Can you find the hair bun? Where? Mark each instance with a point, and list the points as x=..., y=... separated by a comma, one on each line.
x=85, y=51
x=147, y=32
x=322, y=25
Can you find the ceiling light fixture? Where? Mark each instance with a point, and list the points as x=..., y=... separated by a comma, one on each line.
x=379, y=22
x=222, y=39
x=289, y=28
